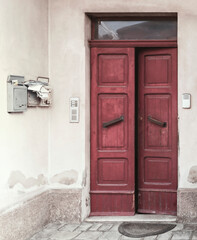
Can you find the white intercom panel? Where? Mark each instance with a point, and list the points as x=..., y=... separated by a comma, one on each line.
x=74, y=110
x=186, y=100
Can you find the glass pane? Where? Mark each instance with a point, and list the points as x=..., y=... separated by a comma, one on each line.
x=136, y=30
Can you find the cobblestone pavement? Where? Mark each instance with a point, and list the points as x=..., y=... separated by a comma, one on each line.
x=107, y=231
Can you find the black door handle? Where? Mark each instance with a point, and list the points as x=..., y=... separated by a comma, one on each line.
x=157, y=122
x=107, y=124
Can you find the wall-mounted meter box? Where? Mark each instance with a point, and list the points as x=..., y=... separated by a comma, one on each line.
x=16, y=94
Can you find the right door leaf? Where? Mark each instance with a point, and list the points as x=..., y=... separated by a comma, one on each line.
x=157, y=131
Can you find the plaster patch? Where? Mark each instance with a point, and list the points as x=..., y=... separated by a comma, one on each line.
x=192, y=176
x=66, y=177
x=17, y=177
x=84, y=178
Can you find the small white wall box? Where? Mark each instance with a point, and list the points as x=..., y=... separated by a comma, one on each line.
x=74, y=110
x=186, y=100
x=16, y=94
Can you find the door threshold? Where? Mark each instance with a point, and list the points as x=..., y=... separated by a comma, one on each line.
x=135, y=218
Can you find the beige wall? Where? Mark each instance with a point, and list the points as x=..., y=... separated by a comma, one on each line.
x=69, y=58
x=23, y=136
x=42, y=141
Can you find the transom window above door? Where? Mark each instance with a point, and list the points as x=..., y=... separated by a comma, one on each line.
x=135, y=29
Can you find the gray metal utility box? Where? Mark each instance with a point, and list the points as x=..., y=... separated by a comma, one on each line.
x=16, y=94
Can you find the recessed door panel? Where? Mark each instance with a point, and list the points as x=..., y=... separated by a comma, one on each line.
x=157, y=131
x=112, y=107
x=113, y=69
x=157, y=107
x=112, y=131
x=157, y=171
x=157, y=69
x=113, y=171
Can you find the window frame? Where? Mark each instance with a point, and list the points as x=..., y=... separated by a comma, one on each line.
x=126, y=17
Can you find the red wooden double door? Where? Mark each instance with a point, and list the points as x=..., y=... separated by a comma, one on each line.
x=133, y=131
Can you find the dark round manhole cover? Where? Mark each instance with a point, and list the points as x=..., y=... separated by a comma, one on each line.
x=136, y=229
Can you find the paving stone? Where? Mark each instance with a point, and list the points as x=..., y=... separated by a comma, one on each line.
x=194, y=237
x=40, y=239
x=55, y=225
x=69, y=227
x=89, y=235
x=179, y=226
x=190, y=227
x=84, y=226
x=181, y=235
x=151, y=237
x=46, y=233
x=165, y=236
x=95, y=226
x=105, y=227
x=107, y=231
x=115, y=227
x=110, y=236
x=64, y=235
x=125, y=238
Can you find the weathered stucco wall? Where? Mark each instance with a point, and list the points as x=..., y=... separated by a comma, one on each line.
x=41, y=145
x=23, y=136
x=69, y=66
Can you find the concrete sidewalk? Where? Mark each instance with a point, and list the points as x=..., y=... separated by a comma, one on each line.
x=107, y=231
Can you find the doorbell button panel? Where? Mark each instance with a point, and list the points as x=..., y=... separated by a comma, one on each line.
x=186, y=100
x=74, y=110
